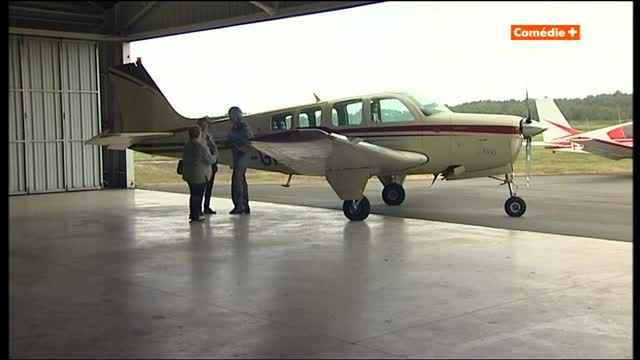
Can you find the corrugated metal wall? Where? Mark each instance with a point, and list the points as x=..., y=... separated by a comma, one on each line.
x=53, y=108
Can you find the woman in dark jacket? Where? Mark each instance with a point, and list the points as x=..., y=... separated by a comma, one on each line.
x=196, y=171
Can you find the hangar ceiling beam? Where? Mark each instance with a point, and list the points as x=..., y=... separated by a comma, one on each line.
x=309, y=7
x=125, y=21
x=65, y=34
x=71, y=6
x=95, y=6
x=35, y=19
x=268, y=9
x=141, y=13
x=53, y=12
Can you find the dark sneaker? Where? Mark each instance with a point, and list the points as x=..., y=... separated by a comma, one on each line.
x=209, y=211
x=199, y=218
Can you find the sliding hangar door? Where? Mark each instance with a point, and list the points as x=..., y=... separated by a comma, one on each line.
x=54, y=107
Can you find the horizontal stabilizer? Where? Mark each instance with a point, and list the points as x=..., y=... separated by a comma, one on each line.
x=609, y=149
x=121, y=141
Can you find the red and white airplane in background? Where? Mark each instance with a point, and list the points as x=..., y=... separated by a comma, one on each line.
x=613, y=142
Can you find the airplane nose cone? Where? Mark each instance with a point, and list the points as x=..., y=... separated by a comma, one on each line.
x=532, y=129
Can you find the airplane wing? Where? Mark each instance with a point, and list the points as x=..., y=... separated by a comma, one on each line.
x=121, y=141
x=613, y=142
x=608, y=149
x=561, y=146
x=550, y=145
x=317, y=152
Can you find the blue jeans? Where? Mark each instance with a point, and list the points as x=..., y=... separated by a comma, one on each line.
x=195, y=200
x=239, y=188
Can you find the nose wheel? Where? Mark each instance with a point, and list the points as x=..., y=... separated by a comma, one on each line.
x=356, y=210
x=515, y=206
x=393, y=194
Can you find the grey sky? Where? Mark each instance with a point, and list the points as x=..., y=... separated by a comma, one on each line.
x=452, y=51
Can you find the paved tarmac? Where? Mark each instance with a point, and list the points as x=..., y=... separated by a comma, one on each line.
x=598, y=206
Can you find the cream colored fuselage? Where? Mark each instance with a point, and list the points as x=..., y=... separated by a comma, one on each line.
x=484, y=144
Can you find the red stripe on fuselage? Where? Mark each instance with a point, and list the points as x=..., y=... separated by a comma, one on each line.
x=495, y=129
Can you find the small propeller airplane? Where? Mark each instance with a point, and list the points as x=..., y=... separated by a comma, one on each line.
x=348, y=141
x=613, y=142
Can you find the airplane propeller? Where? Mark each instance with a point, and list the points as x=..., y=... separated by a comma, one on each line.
x=528, y=131
x=528, y=151
x=528, y=108
x=528, y=147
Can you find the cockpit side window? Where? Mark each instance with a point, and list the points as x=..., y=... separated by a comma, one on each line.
x=427, y=105
x=389, y=110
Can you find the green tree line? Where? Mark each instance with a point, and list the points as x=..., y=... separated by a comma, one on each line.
x=598, y=107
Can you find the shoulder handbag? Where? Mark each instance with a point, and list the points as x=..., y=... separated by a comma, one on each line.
x=179, y=169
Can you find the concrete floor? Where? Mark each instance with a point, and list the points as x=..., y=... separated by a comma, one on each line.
x=575, y=205
x=122, y=273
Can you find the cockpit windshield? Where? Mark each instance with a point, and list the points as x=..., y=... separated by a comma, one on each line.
x=427, y=105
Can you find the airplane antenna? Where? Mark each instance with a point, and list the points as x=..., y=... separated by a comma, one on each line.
x=528, y=153
x=528, y=108
x=317, y=98
x=528, y=139
x=435, y=177
x=288, y=181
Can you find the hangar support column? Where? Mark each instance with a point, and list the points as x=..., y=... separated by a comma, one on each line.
x=118, y=169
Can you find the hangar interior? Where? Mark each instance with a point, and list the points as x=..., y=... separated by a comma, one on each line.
x=120, y=273
x=59, y=93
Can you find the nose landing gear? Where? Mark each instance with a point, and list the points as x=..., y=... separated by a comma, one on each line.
x=514, y=206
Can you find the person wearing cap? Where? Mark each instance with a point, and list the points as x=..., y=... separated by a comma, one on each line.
x=238, y=139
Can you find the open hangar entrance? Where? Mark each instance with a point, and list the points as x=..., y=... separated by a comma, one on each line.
x=59, y=93
x=122, y=273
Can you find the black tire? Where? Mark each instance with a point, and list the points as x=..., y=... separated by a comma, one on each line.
x=393, y=194
x=358, y=214
x=515, y=206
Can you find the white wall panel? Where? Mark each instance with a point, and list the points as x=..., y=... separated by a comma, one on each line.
x=53, y=110
x=17, y=171
x=79, y=64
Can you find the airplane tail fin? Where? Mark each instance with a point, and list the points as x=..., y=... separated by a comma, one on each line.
x=552, y=118
x=140, y=104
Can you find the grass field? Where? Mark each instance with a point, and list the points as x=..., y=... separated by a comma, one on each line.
x=158, y=170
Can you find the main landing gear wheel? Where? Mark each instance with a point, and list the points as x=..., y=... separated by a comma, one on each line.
x=356, y=210
x=515, y=206
x=393, y=194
